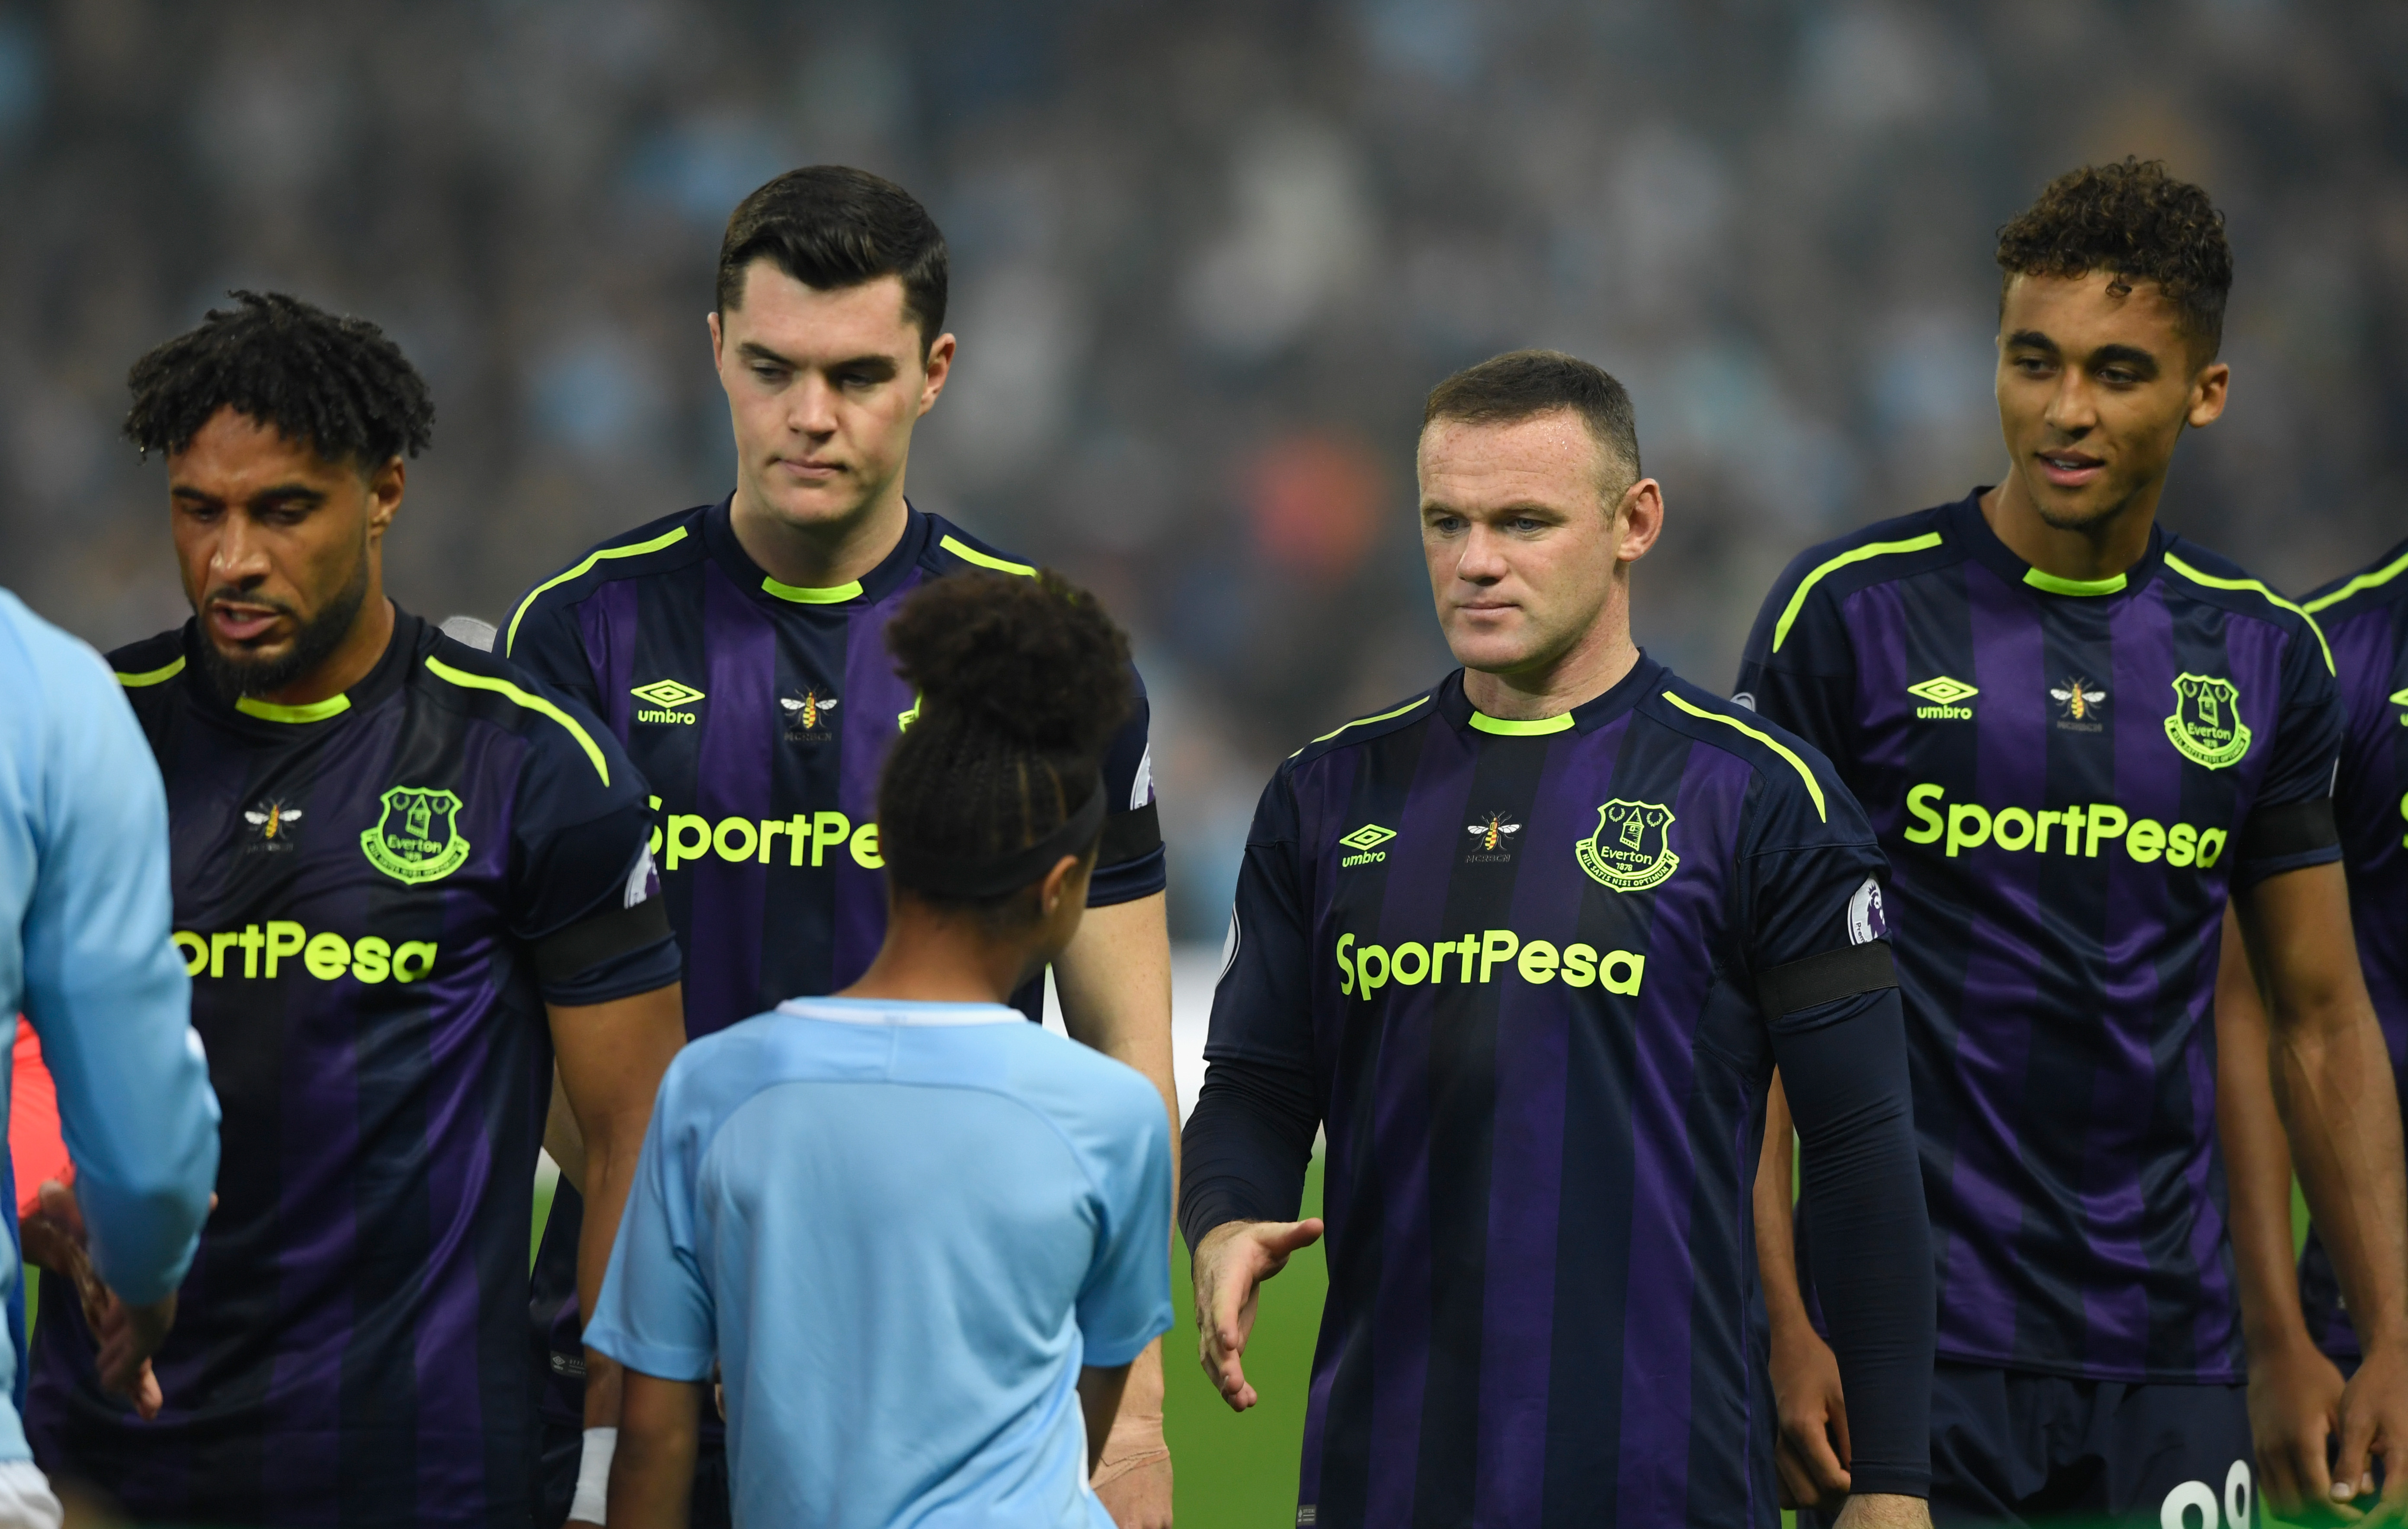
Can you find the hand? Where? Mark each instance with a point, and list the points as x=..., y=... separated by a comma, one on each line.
x=2374, y=1426
x=1810, y=1449
x=1231, y=1265
x=54, y=1238
x=1133, y=1479
x=2294, y=1409
x=1884, y=1511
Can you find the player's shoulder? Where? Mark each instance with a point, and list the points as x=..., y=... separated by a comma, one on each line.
x=1101, y=1104
x=151, y=670
x=1364, y=731
x=656, y=547
x=951, y=550
x=1885, y=550
x=477, y=685
x=41, y=662
x=1798, y=779
x=2380, y=586
x=2195, y=573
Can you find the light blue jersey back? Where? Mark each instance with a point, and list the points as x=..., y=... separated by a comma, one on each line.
x=85, y=956
x=902, y=1228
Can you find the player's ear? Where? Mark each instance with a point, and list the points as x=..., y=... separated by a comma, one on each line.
x=385, y=486
x=1640, y=519
x=2207, y=394
x=718, y=337
x=935, y=367
x=1056, y=886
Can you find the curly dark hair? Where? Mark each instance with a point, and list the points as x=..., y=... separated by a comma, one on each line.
x=1022, y=683
x=338, y=383
x=2138, y=221
x=831, y=226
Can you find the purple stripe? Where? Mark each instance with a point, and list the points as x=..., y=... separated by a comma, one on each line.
x=1880, y=635
x=1526, y=1150
x=1658, y=1315
x=740, y=729
x=875, y=698
x=1983, y=1213
x=1421, y=863
x=609, y=619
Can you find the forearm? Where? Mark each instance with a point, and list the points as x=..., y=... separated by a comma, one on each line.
x=1100, y=1398
x=1249, y=1143
x=2256, y=1160
x=1776, y=1244
x=1846, y=1081
x=2332, y=1082
x=652, y=1475
x=1114, y=983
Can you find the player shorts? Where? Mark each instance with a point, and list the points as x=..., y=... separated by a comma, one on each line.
x=2010, y=1446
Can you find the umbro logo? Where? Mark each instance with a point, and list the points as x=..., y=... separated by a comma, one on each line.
x=1943, y=699
x=1366, y=842
x=668, y=699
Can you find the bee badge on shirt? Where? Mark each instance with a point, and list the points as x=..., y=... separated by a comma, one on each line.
x=807, y=716
x=271, y=827
x=2077, y=706
x=1492, y=839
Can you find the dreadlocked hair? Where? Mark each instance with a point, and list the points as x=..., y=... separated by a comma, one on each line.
x=2131, y=219
x=1022, y=683
x=337, y=384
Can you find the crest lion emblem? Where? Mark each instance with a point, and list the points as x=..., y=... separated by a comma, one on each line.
x=418, y=839
x=1632, y=847
x=2206, y=727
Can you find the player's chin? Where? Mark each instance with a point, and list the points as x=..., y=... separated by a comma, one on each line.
x=1505, y=647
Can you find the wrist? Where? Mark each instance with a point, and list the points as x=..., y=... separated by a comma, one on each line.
x=592, y=1498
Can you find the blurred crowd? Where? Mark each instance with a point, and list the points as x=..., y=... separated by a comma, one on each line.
x=1207, y=259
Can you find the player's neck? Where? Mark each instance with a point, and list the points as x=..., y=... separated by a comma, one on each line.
x=1597, y=662
x=371, y=632
x=934, y=958
x=2102, y=549
x=822, y=555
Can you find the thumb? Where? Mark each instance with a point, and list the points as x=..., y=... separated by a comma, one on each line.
x=1288, y=1236
x=58, y=1201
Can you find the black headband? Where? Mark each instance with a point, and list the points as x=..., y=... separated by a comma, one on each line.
x=950, y=875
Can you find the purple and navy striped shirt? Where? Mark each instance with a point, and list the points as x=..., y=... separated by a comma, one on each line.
x=1516, y=966
x=363, y=890
x=2365, y=617
x=2066, y=777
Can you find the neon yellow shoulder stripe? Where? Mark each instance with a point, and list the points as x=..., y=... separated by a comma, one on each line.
x=1507, y=727
x=462, y=677
x=1361, y=721
x=1854, y=554
x=1813, y=787
x=803, y=594
x=591, y=558
x=2254, y=587
x=2384, y=574
x=316, y=711
x=152, y=676
x=967, y=553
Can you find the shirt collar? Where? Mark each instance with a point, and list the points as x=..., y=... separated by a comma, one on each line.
x=1966, y=523
x=719, y=536
x=1585, y=718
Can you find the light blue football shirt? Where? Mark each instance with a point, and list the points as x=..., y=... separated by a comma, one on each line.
x=902, y=1228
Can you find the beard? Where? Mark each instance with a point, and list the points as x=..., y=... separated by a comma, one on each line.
x=235, y=676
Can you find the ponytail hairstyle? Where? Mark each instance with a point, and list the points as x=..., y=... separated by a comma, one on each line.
x=1022, y=683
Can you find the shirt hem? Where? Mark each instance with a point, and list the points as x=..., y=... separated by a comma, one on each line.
x=2131, y=1377
x=648, y=1359
x=1111, y=1356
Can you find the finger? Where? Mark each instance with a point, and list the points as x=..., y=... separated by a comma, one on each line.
x=1796, y=1485
x=1285, y=1239
x=148, y=1398
x=2352, y=1474
x=58, y=1201
x=1830, y=1478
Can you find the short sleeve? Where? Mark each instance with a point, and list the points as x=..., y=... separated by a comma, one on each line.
x=543, y=639
x=1262, y=1007
x=579, y=858
x=1815, y=887
x=655, y=1314
x=1132, y=862
x=2290, y=823
x=1125, y=1303
x=1799, y=669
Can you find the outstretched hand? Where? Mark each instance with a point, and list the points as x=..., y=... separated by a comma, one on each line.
x=53, y=1236
x=1231, y=1263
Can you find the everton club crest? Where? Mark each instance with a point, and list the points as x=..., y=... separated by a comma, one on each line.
x=1632, y=847
x=419, y=839
x=2206, y=726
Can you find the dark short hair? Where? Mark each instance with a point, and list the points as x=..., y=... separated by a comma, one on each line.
x=1518, y=384
x=1022, y=683
x=830, y=226
x=337, y=384
x=2134, y=221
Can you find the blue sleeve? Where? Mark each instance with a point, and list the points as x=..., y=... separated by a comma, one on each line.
x=655, y=1314
x=1125, y=1303
x=104, y=988
x=543, y=639
x=1799, y=669
x=1250, y=1140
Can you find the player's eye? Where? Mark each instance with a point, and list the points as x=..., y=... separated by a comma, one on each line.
x=772, y=375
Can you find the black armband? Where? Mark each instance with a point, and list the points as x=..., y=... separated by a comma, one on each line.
x=1128, y=836
x=1826, y=979
x=583, y=945
x=2294, y=828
